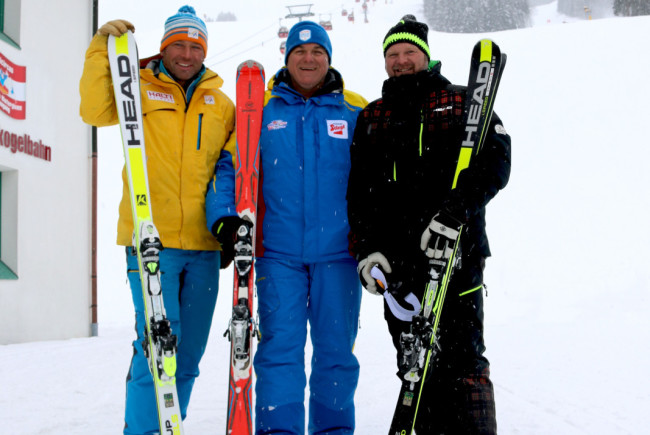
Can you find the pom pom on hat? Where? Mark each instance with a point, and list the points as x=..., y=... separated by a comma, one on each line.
x=185, y=26
x=306, y=32
x=411, y=31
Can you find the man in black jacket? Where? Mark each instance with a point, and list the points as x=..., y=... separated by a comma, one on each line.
x=404, y=159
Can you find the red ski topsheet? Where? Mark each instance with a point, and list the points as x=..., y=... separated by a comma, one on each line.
x=250, y=102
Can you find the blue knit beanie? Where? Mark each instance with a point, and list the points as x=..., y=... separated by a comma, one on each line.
x=185, y=26
x=306, y=32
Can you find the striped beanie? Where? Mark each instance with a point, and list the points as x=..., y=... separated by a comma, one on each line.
x=185, y=26
x=408, y=30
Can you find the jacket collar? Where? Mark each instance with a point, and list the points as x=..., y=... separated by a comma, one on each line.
x=281, y=81
x=153, y=67
x=414, y=87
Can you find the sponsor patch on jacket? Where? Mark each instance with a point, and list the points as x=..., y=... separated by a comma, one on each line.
x=337, y=128
x=209, y=99
x=160, y=96
x=500, y=129
x=276, y=125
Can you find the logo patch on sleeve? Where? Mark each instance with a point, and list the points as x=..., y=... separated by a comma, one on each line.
x=209, y=99
x=500, y=129
x=337, y=128
x=160, y=96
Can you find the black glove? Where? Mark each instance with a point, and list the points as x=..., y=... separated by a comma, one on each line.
x=440, y=235
x=225, y=231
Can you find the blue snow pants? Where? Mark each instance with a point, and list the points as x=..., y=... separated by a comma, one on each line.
x=190, y=283
x=291, y=295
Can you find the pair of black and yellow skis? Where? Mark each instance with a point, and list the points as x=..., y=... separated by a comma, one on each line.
x=420, y=345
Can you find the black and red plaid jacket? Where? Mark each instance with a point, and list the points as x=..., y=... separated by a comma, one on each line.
x=404, y=157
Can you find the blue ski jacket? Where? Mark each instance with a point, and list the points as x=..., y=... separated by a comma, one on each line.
x=304, y=168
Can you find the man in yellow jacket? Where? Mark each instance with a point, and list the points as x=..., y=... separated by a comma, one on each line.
x=188, y=126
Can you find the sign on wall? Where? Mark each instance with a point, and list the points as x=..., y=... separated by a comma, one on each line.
x=12, y=88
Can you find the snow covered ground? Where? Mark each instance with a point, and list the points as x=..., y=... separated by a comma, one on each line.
x=567, y=317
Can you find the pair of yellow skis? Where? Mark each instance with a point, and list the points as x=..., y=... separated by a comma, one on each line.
x=159, y=344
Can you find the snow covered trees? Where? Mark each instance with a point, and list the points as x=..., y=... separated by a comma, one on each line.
x=471, y=16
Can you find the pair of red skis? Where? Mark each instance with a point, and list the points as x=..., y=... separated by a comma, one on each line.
x=242, y=329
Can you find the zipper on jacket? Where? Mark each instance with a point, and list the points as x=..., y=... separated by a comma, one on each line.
x=419, y=140
x=421, y=129
x=198, y=138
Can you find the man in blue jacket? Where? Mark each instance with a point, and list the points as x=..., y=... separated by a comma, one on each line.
x=305, y=273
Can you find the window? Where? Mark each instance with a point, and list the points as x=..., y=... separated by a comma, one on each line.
x=10, y=22
x=8, y=223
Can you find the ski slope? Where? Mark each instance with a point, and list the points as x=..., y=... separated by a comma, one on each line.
x=567, y=317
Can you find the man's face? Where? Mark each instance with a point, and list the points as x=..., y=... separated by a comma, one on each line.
x=183, y=59
x=403, y=59
x=307, y=65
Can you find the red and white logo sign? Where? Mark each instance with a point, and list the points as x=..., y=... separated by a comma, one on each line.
x=160, y=96
x=277, y=124
x=337, y=128
x=12, y=88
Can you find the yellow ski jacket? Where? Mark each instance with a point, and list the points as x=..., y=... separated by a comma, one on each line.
x=183, y=142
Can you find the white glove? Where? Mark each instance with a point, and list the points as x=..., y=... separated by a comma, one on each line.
x=366, y=265
x=439, y=237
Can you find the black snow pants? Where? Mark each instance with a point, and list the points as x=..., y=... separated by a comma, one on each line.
x=458, y=396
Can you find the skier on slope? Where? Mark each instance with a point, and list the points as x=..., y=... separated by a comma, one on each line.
x=404, y=154
x=305, y=273
x=188, y=125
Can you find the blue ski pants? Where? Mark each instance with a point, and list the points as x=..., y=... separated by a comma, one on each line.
x=190, y=283
x=291, y=295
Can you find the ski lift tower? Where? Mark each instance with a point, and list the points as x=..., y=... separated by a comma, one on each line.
x=300, y=11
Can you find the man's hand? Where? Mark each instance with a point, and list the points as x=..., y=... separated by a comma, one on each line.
x=365, y=267
x=439, y=237
x=116, y=28
x=225, y=231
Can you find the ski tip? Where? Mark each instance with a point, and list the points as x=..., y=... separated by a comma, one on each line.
x=486, y=49
x=486, y=42
x=251, y=65
x=123, y=44
x=124, y=36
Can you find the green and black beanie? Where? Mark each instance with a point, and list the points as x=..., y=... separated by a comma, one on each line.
x=410, y=30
